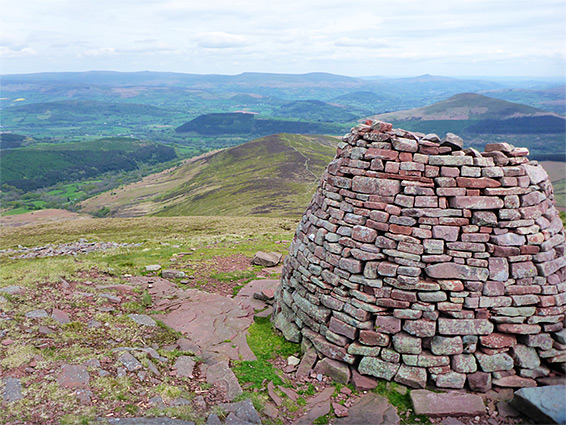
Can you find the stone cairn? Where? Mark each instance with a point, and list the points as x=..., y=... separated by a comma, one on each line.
x=420, y=262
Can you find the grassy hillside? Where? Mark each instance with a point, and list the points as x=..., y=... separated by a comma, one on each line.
x=42, y=165
x=272, y=176
x=234, y=123
x=465, y=106
x=481, y=119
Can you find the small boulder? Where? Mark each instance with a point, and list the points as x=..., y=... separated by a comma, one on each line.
x=172, y=274
x=266, y=259
x=545, y=405
x=143, y=319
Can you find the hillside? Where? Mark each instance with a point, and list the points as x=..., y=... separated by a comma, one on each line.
x=482, y=119
x=236, y=123
x=466, y=106
x=272, y=176
x=42, y=165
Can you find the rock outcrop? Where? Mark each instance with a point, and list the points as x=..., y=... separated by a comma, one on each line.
x=420, y=262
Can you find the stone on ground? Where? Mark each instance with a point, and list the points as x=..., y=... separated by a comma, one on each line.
x=306, y=364
x=317, y=406
x=545, y=405
x=215, y=323
x=60, y=316
x=12, y=390
x=172, y=274
x=242, y=412
x=73, y=376
x=266, y=259
x=370, y=409
x=221, y=375
x=246, y=294
x=446, y=404
x=185, y=366
x=130, y=362
x=152, y=268
x=143, y=319
x=338, y=371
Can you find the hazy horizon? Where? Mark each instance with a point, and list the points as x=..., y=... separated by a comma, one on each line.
x=501, y=38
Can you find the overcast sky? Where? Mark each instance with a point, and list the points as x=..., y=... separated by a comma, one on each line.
x=356, y=38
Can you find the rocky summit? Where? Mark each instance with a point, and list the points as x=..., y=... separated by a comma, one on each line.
x=425, y=263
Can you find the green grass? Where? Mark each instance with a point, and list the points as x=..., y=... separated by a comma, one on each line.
x=266, y=345
x=272, y=176
x=402, y=402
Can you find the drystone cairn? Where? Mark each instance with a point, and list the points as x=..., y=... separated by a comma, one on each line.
x=423, y=263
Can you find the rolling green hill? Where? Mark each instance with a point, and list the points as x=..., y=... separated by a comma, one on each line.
x=235, y=123
x=481, y=119
x=42, y=165
x=271, y=176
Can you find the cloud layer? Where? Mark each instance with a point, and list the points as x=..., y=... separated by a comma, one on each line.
x=405, y=37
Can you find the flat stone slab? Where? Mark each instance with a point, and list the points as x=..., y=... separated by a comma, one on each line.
x=12, y=390
x=36, y=314
x=370, y=409
x=73, y=376
x=215, y=323
x=246, y=294
x=317, y=406
x=543, y=404
x=446, y=404
x=11, y=290
x=143, y=319
x=220, y=374
x=242, y=412
x=185, y=366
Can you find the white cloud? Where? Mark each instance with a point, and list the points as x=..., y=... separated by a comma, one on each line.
x=15, y=52
x=102, y=51
x=384, y=37
x=219, y=40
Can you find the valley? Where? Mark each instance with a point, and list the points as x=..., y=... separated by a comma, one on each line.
x=101, y=141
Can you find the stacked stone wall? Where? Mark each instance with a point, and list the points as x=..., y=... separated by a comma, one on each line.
x=420, y=262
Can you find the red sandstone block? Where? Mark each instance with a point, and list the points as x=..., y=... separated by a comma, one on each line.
x=387, y=324
x=477, y=183
x=522, y=329
x=449, y=171
x=398, y=294
x=392, y=167
x=498, y=340
x=386, y=154
x=447, y=233
x=374, y=338
x=404, y=230
x=364, y=234
x=426, y=202
x=475, y=202
x=406, y=157
x=421, y=233
x=342, y=328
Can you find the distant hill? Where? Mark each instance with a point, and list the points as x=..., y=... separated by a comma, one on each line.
x=481, y=119
x=475, y=113
x=316, y=110
x=275, y=175
x=236, y=123
x=550, y=99
x=466, y=106
x=70, y=112
x=42, y=165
